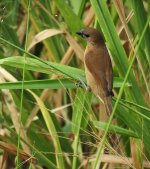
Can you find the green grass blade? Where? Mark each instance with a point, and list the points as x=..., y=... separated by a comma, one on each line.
x=104, y=18
x=52, y=130
x=69, y=16
x=141, y=18
x=40, y=84
x=114, y=44
x=41, y=157
x=100, y=149
x=78, y=108
x=50, y=68
x=22, y=87
x=114, y=129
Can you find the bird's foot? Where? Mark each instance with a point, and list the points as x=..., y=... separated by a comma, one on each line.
x=78, y=84
x=88, y=88
x=82, y=84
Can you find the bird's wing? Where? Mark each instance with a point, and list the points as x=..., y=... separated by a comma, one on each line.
x=96, y=63
x=109, y=72
x=96, y=68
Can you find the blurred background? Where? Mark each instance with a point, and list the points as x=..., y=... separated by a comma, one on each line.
x=47, y=118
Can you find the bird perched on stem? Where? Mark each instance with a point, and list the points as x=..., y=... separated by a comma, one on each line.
x=98, y=68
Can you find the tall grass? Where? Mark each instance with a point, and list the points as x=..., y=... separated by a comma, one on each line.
x=47, y=117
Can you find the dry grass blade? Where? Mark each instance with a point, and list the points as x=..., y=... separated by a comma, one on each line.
x=76, y=47
x=135, y=153
x=120, y=8
x=114, y=159
x=121, y=13
x=51, y=128
x=45, y=94
x=128, y=18
x=22, y=29
x=6, y=75
x=11, y=106
x=44, y=35
x=61, y=108
x=89, y=18
x=67, y=56
x=10, y=148
x=64, y=134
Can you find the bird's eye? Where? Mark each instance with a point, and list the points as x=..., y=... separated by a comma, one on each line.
x=86, y=35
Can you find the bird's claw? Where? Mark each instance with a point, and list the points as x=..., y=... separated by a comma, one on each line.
x=78, y=84
x=88, y=88
x=83, y=85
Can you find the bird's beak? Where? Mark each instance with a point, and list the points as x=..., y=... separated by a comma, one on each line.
x=80, y=33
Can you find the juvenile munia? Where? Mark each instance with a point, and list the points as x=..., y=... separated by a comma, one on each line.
x=98, y=67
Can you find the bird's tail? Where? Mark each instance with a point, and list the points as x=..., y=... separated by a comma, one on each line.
x=108, y=105
x=105, y=112
x=105, y=107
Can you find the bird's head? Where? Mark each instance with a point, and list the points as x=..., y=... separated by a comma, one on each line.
x=91, y=35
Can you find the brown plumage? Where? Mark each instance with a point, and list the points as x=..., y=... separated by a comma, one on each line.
x=98, y=67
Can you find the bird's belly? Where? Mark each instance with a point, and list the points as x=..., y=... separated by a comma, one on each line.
x=91, y=81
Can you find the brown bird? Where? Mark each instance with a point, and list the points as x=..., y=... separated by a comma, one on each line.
x=98, y=68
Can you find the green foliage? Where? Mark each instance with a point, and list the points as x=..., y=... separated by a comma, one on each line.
x=58, y=123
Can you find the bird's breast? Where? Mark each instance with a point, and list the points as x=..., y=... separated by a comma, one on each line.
x=90, y=80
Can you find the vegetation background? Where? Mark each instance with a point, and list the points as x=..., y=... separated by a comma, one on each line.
x=47, y=118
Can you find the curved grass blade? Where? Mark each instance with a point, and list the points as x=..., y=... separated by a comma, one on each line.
x=115, y=129
x=51, y=128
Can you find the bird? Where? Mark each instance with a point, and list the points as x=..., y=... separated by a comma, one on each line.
x=98, y=68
